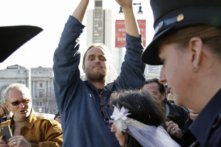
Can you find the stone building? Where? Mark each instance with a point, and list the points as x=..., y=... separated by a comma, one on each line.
x=42, y=89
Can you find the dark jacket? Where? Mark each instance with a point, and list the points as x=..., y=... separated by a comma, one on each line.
x=206, y=129
x=78, y=101
x=188, y=137
x=178, y=115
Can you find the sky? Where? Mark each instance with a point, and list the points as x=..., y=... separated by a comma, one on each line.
x=51, y=15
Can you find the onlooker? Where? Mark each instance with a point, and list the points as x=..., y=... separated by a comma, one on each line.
x=4, y=113
x=83, y=104
x=28, y=130
x=176, y=115
x=58, y=117
x=138, y=117
x=187, y=43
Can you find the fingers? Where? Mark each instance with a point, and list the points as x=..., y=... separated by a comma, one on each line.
x=193, y=115
x=14, y=141
x=2, y=140
x=174, y=131
x=171, y=127
x=4, y=145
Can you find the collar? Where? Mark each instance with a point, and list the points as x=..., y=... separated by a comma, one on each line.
x=206, y=119
x=108, y=87
x=29, y=122
x=167, y=110
x=91, y=86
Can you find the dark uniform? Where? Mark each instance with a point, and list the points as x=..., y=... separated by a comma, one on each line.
x=170, y=15
x=205, y=131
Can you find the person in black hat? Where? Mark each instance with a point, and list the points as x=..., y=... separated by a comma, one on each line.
x=187, y=43
x=12, y=37
x=58, y=117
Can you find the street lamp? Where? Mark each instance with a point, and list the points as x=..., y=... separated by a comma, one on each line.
x=140, y=8
x=121, y=10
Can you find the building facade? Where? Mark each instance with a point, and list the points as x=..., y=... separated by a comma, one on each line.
x=42, y=90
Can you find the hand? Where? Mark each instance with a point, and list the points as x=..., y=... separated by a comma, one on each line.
x=173, y=129
x=193, y=115
x=2, y=142
x=125, y=3
x=18, y=141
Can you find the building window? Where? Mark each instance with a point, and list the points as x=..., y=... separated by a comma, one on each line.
x=98, y=4
x=40, y=84
x=40, y=94
x=97, y=16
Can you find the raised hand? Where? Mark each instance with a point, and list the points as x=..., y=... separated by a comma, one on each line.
x=125, y=3
x=131, y=23
x=173, y=129
x=80, y=10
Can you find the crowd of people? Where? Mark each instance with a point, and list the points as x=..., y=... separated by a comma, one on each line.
x=181, y=108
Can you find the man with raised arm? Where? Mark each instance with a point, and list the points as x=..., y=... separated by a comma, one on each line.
x=83, y=104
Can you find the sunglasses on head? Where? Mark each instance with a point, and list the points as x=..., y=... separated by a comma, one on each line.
x=16, y=103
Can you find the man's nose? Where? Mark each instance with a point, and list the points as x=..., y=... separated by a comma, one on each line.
x=162, y=78
x=97, y=61
x=22, y=105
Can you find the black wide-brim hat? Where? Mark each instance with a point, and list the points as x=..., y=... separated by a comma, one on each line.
x=12, y=37
x=172, y=14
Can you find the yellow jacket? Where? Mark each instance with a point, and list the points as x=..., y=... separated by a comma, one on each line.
x=40, y=130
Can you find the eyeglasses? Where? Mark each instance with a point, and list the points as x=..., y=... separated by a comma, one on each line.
x=16, y=103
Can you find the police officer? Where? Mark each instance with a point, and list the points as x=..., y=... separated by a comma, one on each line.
x=187, y=42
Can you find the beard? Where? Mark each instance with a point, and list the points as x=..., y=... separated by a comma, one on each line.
x=98, y=76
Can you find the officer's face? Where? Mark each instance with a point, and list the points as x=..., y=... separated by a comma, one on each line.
x=177, y=72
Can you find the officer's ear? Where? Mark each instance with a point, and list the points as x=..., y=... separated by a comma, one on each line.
x=196, y=48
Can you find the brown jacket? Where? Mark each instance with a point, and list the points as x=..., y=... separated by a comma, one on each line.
x=40, y=130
